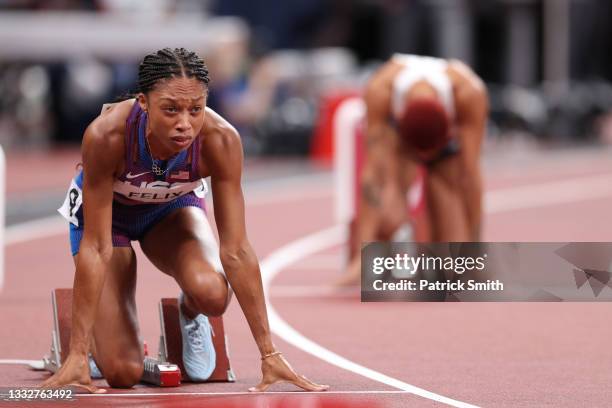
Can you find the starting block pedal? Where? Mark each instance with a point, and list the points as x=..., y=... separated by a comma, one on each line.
x=171, y=343
x=156, y=372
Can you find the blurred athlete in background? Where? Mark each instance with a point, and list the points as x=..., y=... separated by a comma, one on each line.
x=428, y=112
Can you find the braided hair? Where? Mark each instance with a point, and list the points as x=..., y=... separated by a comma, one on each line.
x=170, y=63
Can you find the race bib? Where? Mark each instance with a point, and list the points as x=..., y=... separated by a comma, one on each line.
x=72, y=203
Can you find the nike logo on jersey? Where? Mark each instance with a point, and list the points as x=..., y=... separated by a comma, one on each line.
x=130, y=176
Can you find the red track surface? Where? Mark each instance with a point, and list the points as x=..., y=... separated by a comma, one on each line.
x=486, y=354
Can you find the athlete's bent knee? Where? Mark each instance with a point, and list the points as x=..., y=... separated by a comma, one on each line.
x=123, y=373
x=210, y=293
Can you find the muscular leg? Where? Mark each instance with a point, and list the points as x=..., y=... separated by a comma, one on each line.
x=117, y=346
x=182, y=245
x=446, y=212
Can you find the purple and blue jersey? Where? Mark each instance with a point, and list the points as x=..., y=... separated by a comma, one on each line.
x=141, y=198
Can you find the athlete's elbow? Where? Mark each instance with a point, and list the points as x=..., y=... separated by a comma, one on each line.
x=239, y=257
x=99, y=250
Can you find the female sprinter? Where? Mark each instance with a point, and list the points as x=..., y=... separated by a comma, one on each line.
x=143, y=164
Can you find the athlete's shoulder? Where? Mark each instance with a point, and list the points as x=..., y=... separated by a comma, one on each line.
x=383, y=76
x=221, y=148
x=467, y=78
x=378, y=89
x=108, y=129
x=111, y=121
x=471, y=96
x=218, y=132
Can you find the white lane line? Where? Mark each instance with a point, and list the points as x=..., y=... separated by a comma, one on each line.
x=314, y=291
x=20, y=362
x=496, y=201
x=35, y=229
x=551, y=193
x=499, y=201
x=292, y=253
x=238, y=393
x=260, y=193
x=317, y=262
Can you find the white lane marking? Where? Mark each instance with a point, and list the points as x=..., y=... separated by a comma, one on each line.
x=20, y=362
x=550, y=193
x=2, y=212
x=260, y=193
x=237, y=393
x=298, y=194
x=315, y=291
x=496, y=201
x=317, y=262
x=36, y=229
x=292, y=253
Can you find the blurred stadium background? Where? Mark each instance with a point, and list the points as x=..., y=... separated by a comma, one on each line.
x=280, y=67
x=277, y=65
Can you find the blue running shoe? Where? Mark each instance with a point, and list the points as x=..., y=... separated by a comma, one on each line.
x=199, y=357
x=94, y=371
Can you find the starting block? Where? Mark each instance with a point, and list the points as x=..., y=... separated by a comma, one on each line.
x=165, y=371
x=155, y=372
x=61, y=304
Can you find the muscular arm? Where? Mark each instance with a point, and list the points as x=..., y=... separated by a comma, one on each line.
x=102, y=151
x=472, y=115
x=223, y=153
x=100, y=157
x=224, y=156
x=375, y=177
x=375, y=173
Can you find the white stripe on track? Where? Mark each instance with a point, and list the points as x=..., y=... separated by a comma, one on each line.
x=259, y=193
x=320, y=291
x=496, y=201
x=19, y=362
x=551, y=193
x=35, y=229
x=237, y=393
x=293, y=252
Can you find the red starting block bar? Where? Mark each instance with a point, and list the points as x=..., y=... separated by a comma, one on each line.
x=161, y=374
